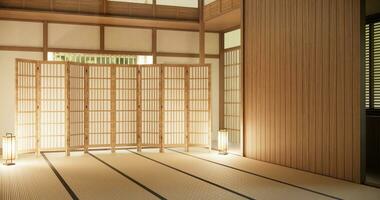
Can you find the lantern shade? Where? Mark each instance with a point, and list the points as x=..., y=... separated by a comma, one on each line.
x=9, y=149
x=223, y=141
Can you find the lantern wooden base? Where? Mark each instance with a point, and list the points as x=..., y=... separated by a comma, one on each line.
x=9, y=164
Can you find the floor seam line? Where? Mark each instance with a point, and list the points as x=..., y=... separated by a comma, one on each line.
x=128, y=177
x=194, y=176
x=60, y=178
x=258, y=175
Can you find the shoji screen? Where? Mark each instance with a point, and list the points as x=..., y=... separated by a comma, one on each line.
x=126, y=105
x=232, y=95
x=77, y=105
x=52, y=106
x=26, y=105
x=174, y=105
x=99, y=77
x=199, y=125
x=150, y=104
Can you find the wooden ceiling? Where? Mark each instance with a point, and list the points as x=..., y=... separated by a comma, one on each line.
x=219, y=15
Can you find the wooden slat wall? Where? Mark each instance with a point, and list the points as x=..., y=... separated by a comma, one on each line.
x=302, y=84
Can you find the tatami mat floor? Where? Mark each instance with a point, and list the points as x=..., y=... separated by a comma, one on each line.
x=174, y=174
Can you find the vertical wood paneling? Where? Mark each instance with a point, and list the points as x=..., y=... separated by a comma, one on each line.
x=302, y=84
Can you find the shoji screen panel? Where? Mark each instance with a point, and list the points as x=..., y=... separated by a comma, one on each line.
x=26, y=105
x=126, y=105
x=77, y=105
x=199, y=122
x=99, y=77
x=174, y=105
x=232, y=95
x=52, y=106
x=150, y=104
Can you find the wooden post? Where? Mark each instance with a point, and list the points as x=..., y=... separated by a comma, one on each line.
x=67, y=109
x=201, y=33
x=38, y=108
x=139, y=114
x=154, y=6
x=17, y=96
x=45, y=40
x=242, y=118
x=113, y=107
x=161, y=117
x=209, y=108
x=154, y=45
x=187, y=115
x=86, y=108
x=221, y=80
x=101, y=37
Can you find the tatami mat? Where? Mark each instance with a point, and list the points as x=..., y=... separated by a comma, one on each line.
x=91, y=179
x=30, y=179
x=168, y=182
x=253, y=186
x=174, y=174
x=339, y=188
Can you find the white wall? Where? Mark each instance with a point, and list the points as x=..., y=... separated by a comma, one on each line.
x=212, y=43
x=73, y=36
x=232, y=39
x=7, y=86
x=177, y=41
x=15, y=33
x=127, y=39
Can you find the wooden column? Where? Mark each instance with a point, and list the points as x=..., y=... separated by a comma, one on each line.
x=209, y=108
x=45, y=40
x=187, y=97
x=67, y=109
x=86, y=108
x=154, y=45
x=113, y=107
x=221, y=80
x=139, y=114
x=201, y=33
x=154, y=6
x=38, y=108
x=101, y=37
x=242, y=131
x=161, y=117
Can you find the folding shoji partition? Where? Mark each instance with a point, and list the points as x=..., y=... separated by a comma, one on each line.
x=71, y=106
x=199, y=105
x=99, y=106
x=53, y=105
x=232, y=94
x=26, y=105
x=126, y=105
x=174, y=105
x=77, y=106
x=149, y=104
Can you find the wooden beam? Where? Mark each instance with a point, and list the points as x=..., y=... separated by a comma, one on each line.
x=192, y=55
x=201, y=33
x=17, y=48
x=242, y=66
x=98, y=51
x=97, y=19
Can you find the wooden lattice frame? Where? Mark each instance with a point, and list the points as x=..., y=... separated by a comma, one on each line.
x=77, y=96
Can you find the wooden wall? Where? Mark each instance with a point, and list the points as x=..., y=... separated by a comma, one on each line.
x=302, y=84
